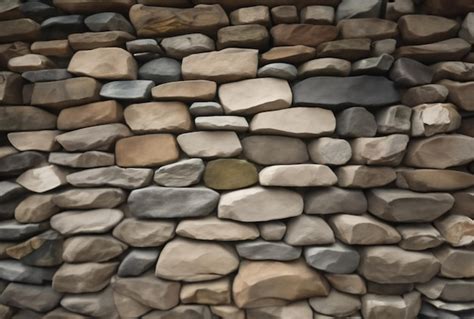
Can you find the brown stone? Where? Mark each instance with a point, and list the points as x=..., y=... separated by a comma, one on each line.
x=91, y=248
x=34, y=141
x=324, y=67
x=11, y=50
x=30, y=62
x=432, y=180
x=91, y=6
x=348, y=49
x=43, y=179
x=57, y=48
x=376, y=306
x=464, y=203
x=144, y=233
x=429, y=93
x=19, y=30
x=104, y=112
x=419, y=237
x=422, y=29
x=317, y=14
x=288, y=54
x=447, y=7
x=82, y=278
x=302, y=34
x=251, y=36
x=460, y=93
x=372, y=28
x=349, y=283
x=285, y=14
x=186, y=91
x=35, y=208
x=210, y=144
x=11, y=86
x=458, y=230
x=360, y=176
x=455, y=263
x=251, y=15
x=225, y=174
x=447, y=50
x=453, y=70
x=215, y=292
x=94, y=40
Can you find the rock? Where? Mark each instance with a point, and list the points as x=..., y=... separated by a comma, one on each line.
x=53, y=48
x=12, y=230
x=336, y=304
x=266, y=150
x=19, y=30
x=137, y=262
x=350, y=283
x=259, y=204
x=206, y=108
x=160, y=70
x=453, y=70
x=42, y=179
x=143, y=46
x=11, y=86
x=449, y=290
x=376, y=306
x=57, y=95
x=180, y=174
x=211, y=293
x=330, y=151
x=463, y=203
x=89, y=198
x=36, y=298
x=295, y=121
x=226, y=122
x=354, y=9
x=302, y=34
x=43, y=250
x=460, y=93
x=335, y=258
x=97, y=113
x=100, y=304
x=299, y=309
x=83, y=278
x=82, y=160
x=317, y=15
x=467, y=28
x=10, y=190
x=35, y=208
x=162, y=22
x=30, y=62
x=398, y=9
x=190, y=261
x=255, y=95
x=303, y=175
x=456, y=229
x=251, y=36
x=129, y=307
x=182, y=311
x=393, y=265
x=290, y=281
x=24, y=118
x=139, y=233
x=421, y=29
x=419, y=237
x=226, y=65
x=356, y=122
x=273, y=230
x=408, y=72
x=283, y=71
x=92, y=221
x=225, y=174
x=354, y=230
x=455, y=263
x=293, y=54
x=169, y=202
x=128, y=178
x=307, y=230
x=456, y=148
x=332, y=200
x=91, y=6
x=250, y=15
x=187, y=91
x=425, y=180
x=348, y=49
x=447, y=50
x=361, y=90
x=386, y=150
x=100, y=137
x=430, y=93
x=91, y=248
x=324, y=67
x=360, y=176
x=95, y=40
x=12, y=270
x=137, y=90
x=108, y=21
x=10, y=50
x=372, y=28
x=181, y=46
x=267, y=250
x=61, y=312
x=284, y=14
x=394, y=119
x=210, y=144
x=378, y=65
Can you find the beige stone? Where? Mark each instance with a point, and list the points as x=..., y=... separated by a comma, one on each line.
x=128, y=307
x=428, y=93
x=186, y=91
x=210, y=144
x=458, y=230
x=421, y=29
x=250, y=15
x=181, y=46
x=82, y=278
x=288, y=54
x=299, y=309
x=349, y=283
x=303, y=175
x=42, y=179
x=215, y=292
x=460, y=93
x=455, y=263
x=224, y=122
x=11, y=86
x=380, y=306
x=372, y=28
x=429, y=180
x=34, y=141
x=56, y=48
x=35, y=208
x=454, y=70
x=445, y=289
x=253, y=36
x=266, y=150
x=95, y=221
x=330, y=151
x=385, y=150
x=463, y=203
x=306, y=230
x=446, y=50
x=361, y=176
x=336, y=304
x=88, y=198
x=94, y=40
x=273, y=230
x=144, y=233
x=302, y=34
x=30, y=62
x=19, y=30
x=225, y=174
x=228, y=312
x=419, y=237
x=88, y=159
x=104, y=112
x=431, y=119
x=91, y=248
x=285, y=14
x=317, y=15
x=324, y=67
x=10, y=50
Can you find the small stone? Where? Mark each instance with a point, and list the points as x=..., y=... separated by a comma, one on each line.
x=399, y=8
x=10, y=50
x=430, y=93
x=82, y=160
x=182, y=311
x=89, y=198
x=91, y=248
x=302, y=34
x=34, y=141
x=12, y=230
x=349, y=283
x=267, y=250
x=387, y=150
x=324, y=67
x=303, y=175
x=210, y=144
x=128, y=178
x=348, y=49
x=283, y=71
x=335, y=258
x=17, y=163
x=284, y=14
x=250, y=15
x=408, y=72
x=42, y=179
x=266, y=150
x=377, y=306
x=455, y=263
x=394, y=119
x=55, y=48
x=35, y=208
x=355, y=9
x=30, y=62
x=463, y=203
x=447, y=50
x=460, y=93
x=421, y=29
x=83, y=278
x=104, y=112
x=307, y=230
x=128, y=307
x=139, y=233
x=143, y=45
x=11, y=86
x=216, y=123
x=253, y=36
x=378, y=65
x=431, y=119
x=59, y=27
x=333, y=200
x=453, y=70
x=317, y=15
x=60, y=312
x=99, y=304
x=90, y=222
x=467, y=28
x=225, y=174
x=456, y=229
x=330, y=151
x=10, y=190
x=293, y=54
x=356, y=122
x=360, y=176
x=46, y=75
x=273, y=230
x=336, y=304
x=256, y=204
x=137, y=262
x=372, y=28
x=160, y=70
x=181, y=46
x=19, y=30
x=206, y=108
x=186, y=91
x=215, y=292
x=180, y=174
x=36, y=298
x=96, y=40
x=108, y=21
x=137, y=90
x=419, y=237
x=12, y=270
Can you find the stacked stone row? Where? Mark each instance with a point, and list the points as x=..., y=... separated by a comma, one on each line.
x=236, y=159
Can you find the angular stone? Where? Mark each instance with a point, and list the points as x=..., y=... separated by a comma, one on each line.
x=289, y=281
x=91, y=6
x=317, y=15
x=99, y=304
x=91, y=222
x=34, y=141
x=447, y=50
x=181, y=46
x=206, y=108
x=393, y=265
x=273, y=230
x=251, y=36
x=60, y=312
x=19, y=30
x=224, y=174
x=143, y=46
x=108, y=21
x=379, y=306
x=55, y=48
x=336, y=304
x=43, y=250
x=399, y=8
x=211, y=293
x=302, y=34
x=394, y=119
x=187, y=91
x=356, y=122
x=137, y=90
x=255, y=95
x=430, y=93
x=267, y=250
x=12, y=270
x=426, y=180
x=30, y=62
x=348, y=49
x=83, y=278
x=378, y=65
x=210, y=144
x=139, y=233
x=372, y=28
x=226, y=65
x=284, y=14
x=96, y=40
x=91, y=248
x=10, y=190
x=59, y=27
x=11, y=86
x=448, y=290
x=266, y=150
x=283, y=71
x=89, y=198
x=160, y=70
x=361, y=90
x=303, y=175
x=386, y=150
x=463, y=203
x=104, y=112
x=331, y=151
x=455, y=263
x=11, y=50
x=35, y=208
x=33, y=297
x=467, y=28
x=456, y=229
x=251, y=15
x=324, y=67
x=293, y=54
x=226, y=122
x=408, y=72
x=182, y=311
x=24, y=118
x=360, y=176
x=350, y=283
x=168, y=202
x=190, y=261
x=453, y=70
x=128, y=178
x=460, y=93
x=419, y=237
x=260, y=204
x=350, y=9
x=183, y=173
x=128, y=307
x=421, y=29
x=14, y=231
x=82, y=160
x=333, y=200
x=42, y=179
x=335, y=258
x=307, y=230
x=137, y=262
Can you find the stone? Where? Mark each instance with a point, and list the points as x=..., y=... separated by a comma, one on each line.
x=10, y=50
x=430, y=93
x=349, y=283
x=267, y=250
x=206, y=108
x=467, y=28
x=36, y=298
x=265, y=150
x=162, y=22
x=136, y=90
x=422, y=29
x=57, y=95
x=42, y=179
x=425, y=153
x=283, y=71
x=108, y=21
x=98, y=304
x=456, y=229
x=408, y=72
x=11, y=86
x=91, y=6
x=317, y=15
x=34, y=141
x=259, y=204
x=211, y=293
x=302, y=34
x=303, y=175
x=182, y=311
x=419, y=237
x=228, y=65
x=331, y=151
x=449, y=290
x=447, y=50
x=394, y=119
x=363, y=230
x=190, y=261
x=363, y=90
x=100, y=137
x=255, y=95
x=324, y=67
x=290, y=281
x=83, y=278
x=453, y=70
x=210, y=144
x=393, y=265
x=17, y=163
x=336, y=304
x=180, y=174
x=333, y=200
x=455, y=263
x=24, y=118
x=35, y=208
x=335, y=258
x=91, y=248
x=460, y=93
x=212, y=228
x=356, y=122
x=137, y=262
x=92, y=114
x=293, y=54
x=54, y=48
x=187, y=91
x=88, y=159
x=128, y=178
x=30, y=62
x=284, y=14
x=295, y=121
x=13, y=230
x=89, y=198
x=169, y=202
x=181, y=46
x=376, y=306
x=139, y=233
x=46, y=75
x=372, y=28
x=355, y=9
x=378, y=65
x=19, y=30
x=273, y=230
x=95, y=40
x=463, y=203
x=431, y=119
x=385, y=150
x=250, y=15
x=361, y=176
x=226, y=174
x=348, y=49
x=398, y=9
x=91, y=221
x=307, y=230
x=10, y=190
x=226, y=122
x=160, y=70
x=129, y=307
x=60, y=312
x=143, y=45
x=253, y=36
x=386, y=46
x=12, y=270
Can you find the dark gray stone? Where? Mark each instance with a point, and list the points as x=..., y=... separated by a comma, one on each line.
x=161, y=70
x=373, y=66
x=17, y=163
x=408, y=72
x=10, y=190
x=61, y=26
x=37, y=10
x=356, y=122
x=11, y=230
x=267, y=250
x=134, y=90
x=169, y=202
x=206, y=108
x=336, y=258
x=278, y=70
x=48, y=254
x=33, y=297
x=341, y=92
x=108, y=21
x=333, y=200
x=46, y=75
x=360, y=9
x=7, y=209
x=143, y=45
x=137, y=262
x=12, y=270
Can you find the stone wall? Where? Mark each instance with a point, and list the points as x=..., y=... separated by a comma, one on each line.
x=258, y=159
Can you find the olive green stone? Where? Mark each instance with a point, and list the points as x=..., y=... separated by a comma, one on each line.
x=230, y=174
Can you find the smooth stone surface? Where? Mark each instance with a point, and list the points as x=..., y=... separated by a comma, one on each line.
x=330, y=151
x=97, y=40
x=36, y=298
x=333, y=200
x=467, y=28
x=265, y=150
x=181, y=46
x=288, y=54
x=225, y=122
x=303, y=175
x=187, y=91
x=137, y=261
x=12, y=270
x=283, y=71
x=34, y=141
x=302, y=34
x=128, y=178
x=161, y=70
x=317, y=15
x=35, y=208
x=13, y=230
x=421, y=29
x=46, y=75
x=83, y=278
x=394, y=119
x=86, y=222
x=307, y=230
x=98, y=304
x=408, y=72
x=447, y=50
x=454, y=70
x=182, y=311
x=11, y=86
x=206, y=108
x=336, y=304
x=347, y=49
x=144, y=233
x=456, y=229
x=97, y=113
x=108, y=21
x=374, y=306
x=252, y=36
x=460, y=93
x=250, y=15
x=226, y=174
x=89, y=198
x=210, y=144
x=183, y=173
x=272, y=230
x=42, y=179
x=91, y=248
x=350, y=9
x=30, y=62
x=267, y=250
x=136, y=90
x=336, y=258
x=385, y=150
x=372, y=28
x=88, y=159
x=214, y=292
x=24, y=118
x=360, y=176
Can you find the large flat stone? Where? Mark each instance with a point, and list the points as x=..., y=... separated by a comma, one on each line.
x=25, y=118
x=87, y=198
x=432, y=180
x=84, y=277
x=19, y=30
x=421, y=29
x=252, y=36
x=133, y=90
x=336, y=304
x=42, y=179
x=372, y=28
x=91, y=248
x=144, y=233
x=182, y=173
x=333, y=200
x=210, y=144
x=96, y=304
x=115, y=176
x=89, y=222
x=35, y=140
x=446, y=50
x=385, y=150
x=12, y=270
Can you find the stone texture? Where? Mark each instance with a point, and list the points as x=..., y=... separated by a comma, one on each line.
x=212, y=293
x=265, y=150
x=89, y=198
x=324, y=67
x=430, y=93
x=92, y=114
x=91, y=248
x=349, y=283
x=317, y=15
x=454, y=70
x=302, y=34
x=288, y=54
x=356, y=122
x=24, y=118
x=304, y=175
x=128, y=178
x=225, y=174
x=455, y=263
x=307, y=230
x=378, y=65
x=361, y=176
x=91, y=6
x=54, y=48
x=95, y=40
x=421, y=29
x=225, y=122
x=36, y=298
x=456, y=229
x=386, y=150
x=43, y=250
x=34, y=141
x=250, y=15
x=347, y=49
x=419, y=237
x=35, y=208
x=13, y=230
x=160, y=70
x=354, y=9
x=140, y=233
x=335, y=258
x=267, y=250
x=332, y=200
x=181, y=46
x=426, y=180
x=372, y=28
x=449, y=290
x=30, y=62
x=11, y=86
x=99, y=304
x=206, y=108
x=283, y=71
x=137, y=261
x=187, y=91
x=210, y=144
x=183, y=173
x=467, y=28
x=460, y=93
x=181, y=311
x=330, y=151
x=284, y=14
x=12, y=270
x=19, y=30
x=42, y=179
x=251, y=36
x=407, y=306
x=272, y=230
x=108, y=21
x=90, y=222
x=394, y=119
x=446, y=50
x=463, y=203
x=83, y=278
x=408, y=72
x=336, y=304
x=88, y=159
x=135, y=90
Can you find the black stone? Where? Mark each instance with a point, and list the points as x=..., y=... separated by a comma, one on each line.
x=408, y=72
x=15, y=164
x=38, y=11
x=46, y=75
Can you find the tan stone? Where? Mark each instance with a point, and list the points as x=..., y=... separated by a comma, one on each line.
x=360, y=176
x=57, y=48
x=94, y=221
x=372, y=28
x=266, y=150
x=386, y=150
x=324, y=67
x=380, y=306
x=210, y=144
x=181, y=46
x=431, y=119
x=225, y=174
x=317, y=14
x=251, y=15
x=336, y=304
x=19, y=30
x=30, y=62
x=186, y=91
x=42, y=179
x=11, y=50
x=349, y=283
x=11, y=86
x=347, y=49
x=429, y=180
x=458, y=230
x=128, y=307
x=253, y=36
x=273, y=230
x=34, y=141
x=288, y=54
x=215, y=292
x=445, y=289
x=421, y=29
x=299, y=309
x=285, y=14
x=453, y=70
x=88, y=198
x=273, y=283
x=104, y=112
x=463, y=203
x=455, y=263
x=447, y=50
x=94, y=40
x=82, y=278
x=303, y=175
x=306, y=230
x=302, y=34
x=7, y=150
x=429, y=93
x=331, y=151
x=460, y=93
x=35, y=208
x=91, y=6
x=140, y=233
x=419, y=237
x=90, y=248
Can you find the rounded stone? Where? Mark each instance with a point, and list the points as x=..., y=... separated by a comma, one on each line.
x=224, y=174
x=160, y=70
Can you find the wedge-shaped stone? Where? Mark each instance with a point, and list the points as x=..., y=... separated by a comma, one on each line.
x=379, y=306
x=138, y=261
x=332, y=200
x=393, y=265
x=169, y=202
x=187, y=91
x=83, y=278
x=398, y=205
x=86, y=222
x=455, y=263
x=352, y=9
x=431, y=119
x=14, y=231
x=409, y=72
x=349, y=283
x=252, y=36
x=347, y=49
x=128, y=178
x=394, y=119
x=361, y=90
x=187, y=260
x=260, y=204
x=19, y=30
x=458, y=230
x=447, y=50
x=336, y=258
x=33, y=297
x=35, y=208
x=448, y=290
x=303, y=175
x=12, y=270
x=266, y=150
x=360, y=176
x=133, y=91
x=182, y=173
x=372, y=28
x=221, y=66
x=225, y=122
x=42, y=179
x=429, y=180
x=330, y=151
x=421, y=29
x=303, y=34
x=324, y=66
x=274, y=283
x=108, y=21
x=144, y=233
x=336, y=304
x=288, y=54
x=211, y=293
x=160, y=70
x=267, y=250
x=97, y=304
x=24, y=118
x=91, y=248
x=440, y=151
x=89, y=198
x=385, y=150
x=97, y=113
x=181, y=46
x=43, y=250
x=460, y=93
x=363, y=230
x=255, y=95
x=210, y=144
x=419, y=237
x=306, y=230
x=467, y=28
x=34, y=141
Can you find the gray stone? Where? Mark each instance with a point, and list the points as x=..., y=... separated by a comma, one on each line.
x=143, y=46
x=169, y=202
x=161, y=70
x=86, y=222
x=266, y=150
x=448, y=290
x=89, y=159
x=134, y=90
x=128, y=178
x=330, y=151
x=394, y=119
x=308, y=230
x=108, y=21
x=60, y=27
x=181, y=46
x=284, y=71
x=144, y=233
x=385, y=150
x=96, y=305
x=12, y=270
x=11, y=230
x=43, y=179
x=137, y=262
x=180, y=174
x=356, y=122
x=429, y=93
x=17, y=163
x=363, y=90
x=336, y=258
x=46, y=75
x=33, y=297
x=359, y=9
x=447, y=50
x=267, y=250
x=378, y=65
x=467, y=28
x=91, y=248
x=408, y=72
x=336, y=304
x=206, y=108
x=333, y=200
x=10, y=190
x=90, y=198
x=25, y=118
x=182, y=311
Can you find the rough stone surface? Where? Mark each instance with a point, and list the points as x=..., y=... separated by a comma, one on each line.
x=330, y=151
x=307, y=230
x=420, y=29
x=335, y=258
x=128, y=178
x=386, y=150
x=86, y=222
x=302, y=34
x=210, y=144
x=361, y=176
x=139, y=233
x=408, y=72
x=181, y=46
x=304, y=175
x=335, y=200
x=180, y=174
x=161, y=70
x=224, y=174
x=134, y=90
x=91, y=248
x=267, y=250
